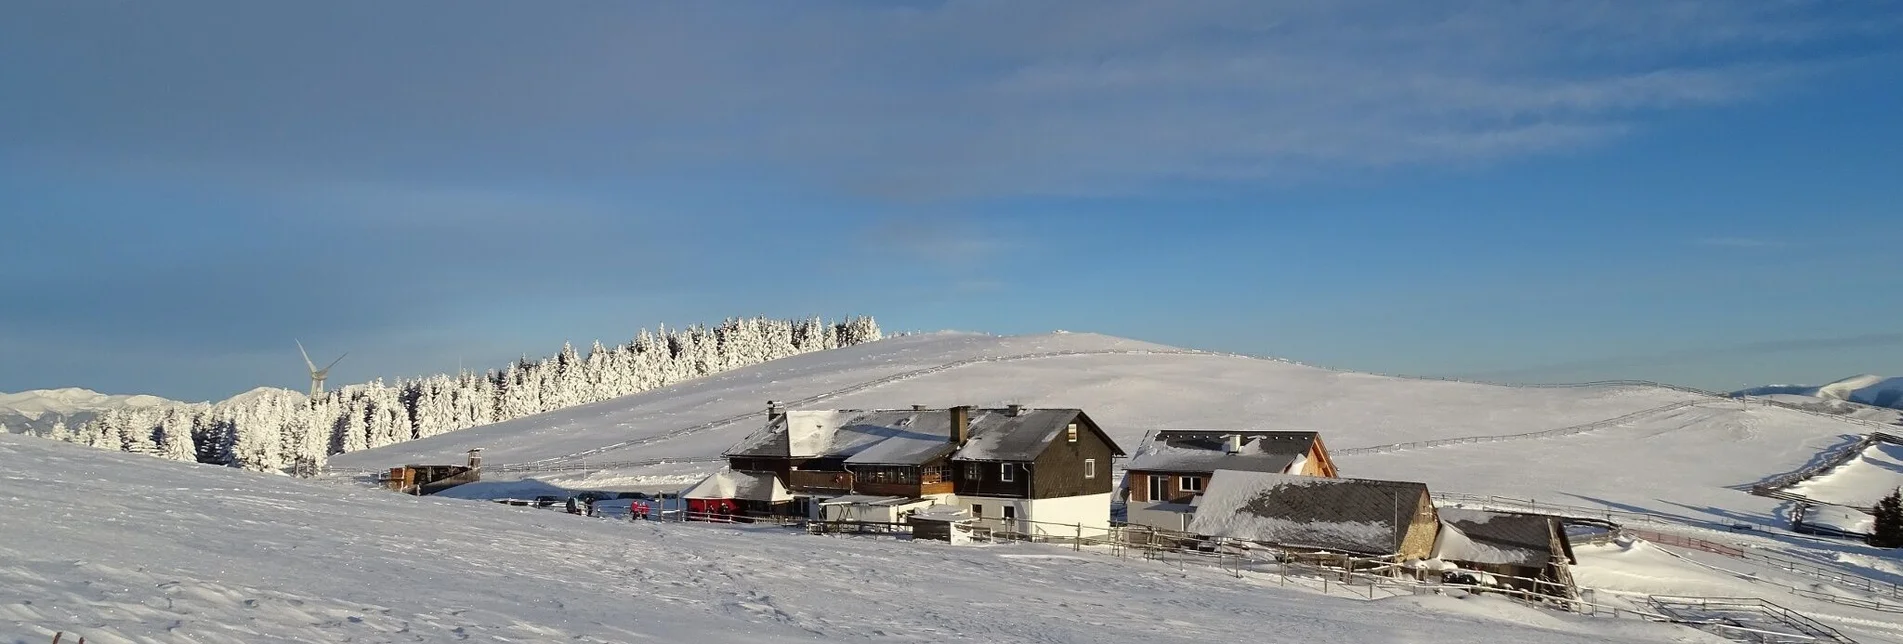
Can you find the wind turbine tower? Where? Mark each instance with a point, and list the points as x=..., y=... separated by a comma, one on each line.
x=317, y=375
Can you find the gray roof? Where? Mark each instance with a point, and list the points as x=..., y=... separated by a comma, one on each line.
x=1355, y=515
x=1522, y=539
x=908, y=436
x=1196, y=450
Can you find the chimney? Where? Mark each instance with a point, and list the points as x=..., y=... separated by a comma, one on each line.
x=1013, y=409
x=960, y=424
x=773, y=411
x=475, y=458
x=1235, y=443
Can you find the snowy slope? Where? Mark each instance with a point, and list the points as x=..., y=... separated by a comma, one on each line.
x=38, y=409
x=1870, y=476
x=124, y=548
x=1671, y=452
x=1129, y=387
x=1864, y=389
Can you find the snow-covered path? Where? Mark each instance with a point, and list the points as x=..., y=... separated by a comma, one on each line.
x=124, y=548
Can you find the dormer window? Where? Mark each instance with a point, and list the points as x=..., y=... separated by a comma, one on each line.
x=1070, y=433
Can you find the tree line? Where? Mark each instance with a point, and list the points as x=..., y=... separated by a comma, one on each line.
x=272, y=429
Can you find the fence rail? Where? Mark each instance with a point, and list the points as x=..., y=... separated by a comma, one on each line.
x=1545, y=433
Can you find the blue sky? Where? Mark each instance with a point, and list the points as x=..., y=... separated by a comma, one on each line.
x=1701, y=192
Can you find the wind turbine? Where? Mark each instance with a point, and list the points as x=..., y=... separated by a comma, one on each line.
x=317, y=375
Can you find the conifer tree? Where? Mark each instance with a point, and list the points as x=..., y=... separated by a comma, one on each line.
x=1888, y=529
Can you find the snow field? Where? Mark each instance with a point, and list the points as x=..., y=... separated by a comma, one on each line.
x=126, y=548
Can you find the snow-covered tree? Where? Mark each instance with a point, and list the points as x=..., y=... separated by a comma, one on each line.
x=175, y=436
x=277, y=429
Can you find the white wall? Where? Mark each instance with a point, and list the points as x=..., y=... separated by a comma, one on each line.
x=1165, y=516
x=1036, y=515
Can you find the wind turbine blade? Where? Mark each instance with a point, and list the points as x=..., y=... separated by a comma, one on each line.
x=307, y=355
x=333, y=363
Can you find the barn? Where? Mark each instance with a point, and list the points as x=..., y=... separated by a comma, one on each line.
x=1394, y=519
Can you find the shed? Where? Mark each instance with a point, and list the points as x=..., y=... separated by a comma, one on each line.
x=1515, y=544
x=939, y=522
x=727, y=492
x=1361, y=516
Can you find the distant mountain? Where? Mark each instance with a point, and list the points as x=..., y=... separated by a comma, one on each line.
x=1866, y=389
x=36, y=411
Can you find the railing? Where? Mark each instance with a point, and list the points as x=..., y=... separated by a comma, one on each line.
x=1545, y=433
x=1811, y=628
x=804, y=480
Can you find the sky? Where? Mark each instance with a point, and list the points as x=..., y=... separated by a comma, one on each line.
x=1706, y=193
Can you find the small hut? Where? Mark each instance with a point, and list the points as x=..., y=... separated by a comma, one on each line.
x=727, y=493
x=939, y=522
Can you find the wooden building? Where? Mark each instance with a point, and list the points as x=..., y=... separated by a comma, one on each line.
x=1366, y=517
x=1169, y=470
x=1526, y=551
x=430, y=479
x=1013, y=467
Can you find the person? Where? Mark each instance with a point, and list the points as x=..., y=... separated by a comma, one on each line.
x=574, y=505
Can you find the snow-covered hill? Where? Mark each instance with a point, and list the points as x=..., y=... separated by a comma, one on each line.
x=122, y=548
x=35, y=411
x=1866, y=389
x=1649, y=448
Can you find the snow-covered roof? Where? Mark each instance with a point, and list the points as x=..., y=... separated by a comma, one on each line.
x=1478, y=536
x=746, y=486
x=1356, y=515
x=909, y=436
x=1175, y=450
x=950, y=513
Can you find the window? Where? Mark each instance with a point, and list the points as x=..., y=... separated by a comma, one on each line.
x=1159, y=487
x=973, y=471
x=1007, y=473
x=1010, y=512
x=977, y=511
x=1191, y=484
x=1070, y=433
x=1090, y=468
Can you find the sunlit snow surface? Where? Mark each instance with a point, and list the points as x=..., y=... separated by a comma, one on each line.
x=126, y=548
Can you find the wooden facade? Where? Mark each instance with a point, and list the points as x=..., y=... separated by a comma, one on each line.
x=1074, y=468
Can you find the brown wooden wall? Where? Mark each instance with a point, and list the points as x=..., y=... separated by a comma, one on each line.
x=987, y=480
x=1319, y=464
x=1425, y=526
x=1139, y=484
x=1059, y=471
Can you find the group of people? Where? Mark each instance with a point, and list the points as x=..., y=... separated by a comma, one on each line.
x=584, y=506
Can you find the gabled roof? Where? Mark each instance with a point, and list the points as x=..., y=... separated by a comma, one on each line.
x=1206, y=450
x=744, y=486
x=1510, y=538
x=911, y=436
x=1356, y=515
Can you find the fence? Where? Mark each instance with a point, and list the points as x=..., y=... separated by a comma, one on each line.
x=1775, y=487
x=1686, y=609
x=1545, y=433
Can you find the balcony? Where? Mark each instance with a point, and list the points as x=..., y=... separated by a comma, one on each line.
x=908, y=490
x=819, y=480
x=903, y=481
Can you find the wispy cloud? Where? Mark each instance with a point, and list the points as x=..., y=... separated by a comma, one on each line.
x=970, y=98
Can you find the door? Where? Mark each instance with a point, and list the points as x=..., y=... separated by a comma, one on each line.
x=1159, y=488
